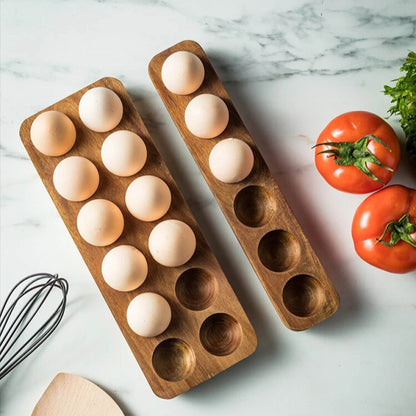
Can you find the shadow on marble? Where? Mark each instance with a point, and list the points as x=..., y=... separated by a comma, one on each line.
x=351, y=305
x=116, y=397
x=227, y=382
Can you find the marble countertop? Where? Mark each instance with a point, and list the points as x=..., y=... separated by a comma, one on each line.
x=290, y=67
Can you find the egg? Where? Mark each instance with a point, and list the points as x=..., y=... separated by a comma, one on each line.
x=149, y=314
x=148, y=198
x=100, y=222
x=231, y=160
x=76, y=178
x=124, y=268
x=182, y=73
x=123, y=153
x=172, y=243
x=100, y=109
x=53, y=133
x=206, y=116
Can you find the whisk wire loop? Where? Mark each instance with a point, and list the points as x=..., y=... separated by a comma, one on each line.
x=30, y=294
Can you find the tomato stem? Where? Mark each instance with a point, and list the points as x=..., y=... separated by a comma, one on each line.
x=399, y=230
x=356, y=154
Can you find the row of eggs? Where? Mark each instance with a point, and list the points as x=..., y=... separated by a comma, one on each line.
x=100, y=222
x=172, y=242
x=124, y=153
x=206, y=116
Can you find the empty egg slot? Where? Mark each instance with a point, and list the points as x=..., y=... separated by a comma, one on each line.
x=196, y=289
x=173, y=360
x=220, y=334
x=254, y=206
x=279, y=250
x=304, y=296
x=275, y=242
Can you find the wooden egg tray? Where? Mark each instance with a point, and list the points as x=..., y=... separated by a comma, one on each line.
x=209, y=331
x=272, y=239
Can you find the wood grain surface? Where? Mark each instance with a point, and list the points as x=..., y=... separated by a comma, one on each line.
x=209, y=331
x=71, y=395
x=265, y=226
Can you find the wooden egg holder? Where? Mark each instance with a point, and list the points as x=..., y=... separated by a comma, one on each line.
x=209, y=331
x=272, y=239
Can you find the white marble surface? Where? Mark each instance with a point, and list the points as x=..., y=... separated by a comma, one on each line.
x=289, y=66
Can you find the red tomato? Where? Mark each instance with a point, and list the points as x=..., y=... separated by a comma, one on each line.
x=353, y=165
x=384, y=230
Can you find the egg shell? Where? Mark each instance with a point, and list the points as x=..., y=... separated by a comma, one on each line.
x=149, y=314
x=148, y=198
x=100, y=222
x=123, y=153
x=231, y=160
x=182, y=73
x=206, y=116
x=53, y=133
x=124, y=268
x=100, y=109
x=172, y=243
x=76, y=178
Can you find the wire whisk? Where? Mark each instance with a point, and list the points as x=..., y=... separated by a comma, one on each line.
x=20, y=332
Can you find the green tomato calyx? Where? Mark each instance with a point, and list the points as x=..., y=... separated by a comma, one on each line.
x=356, y=154
x=399, y=230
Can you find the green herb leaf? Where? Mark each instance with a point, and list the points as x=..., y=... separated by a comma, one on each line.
x=403, y=98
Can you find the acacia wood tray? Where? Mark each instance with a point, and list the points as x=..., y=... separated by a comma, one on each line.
x=271, y=237
x=209, y=331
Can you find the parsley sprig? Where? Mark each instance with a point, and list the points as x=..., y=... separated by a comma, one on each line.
x=403, y=98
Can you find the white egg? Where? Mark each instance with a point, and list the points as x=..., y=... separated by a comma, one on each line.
x=148, y=198
x=100, y=109
x=172, y=243
x=76, y=178
x=123, y=153
x=149, y=314
x=231, y=160
x=100, y=222
x=124, y=268
x=206, y=116
x=53, y=133
x=182, y=73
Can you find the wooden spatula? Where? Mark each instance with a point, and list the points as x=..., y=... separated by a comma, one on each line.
x=71, y=395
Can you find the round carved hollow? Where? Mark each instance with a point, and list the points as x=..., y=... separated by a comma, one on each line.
x=254, y=206
x=220, y=334
x=279, y=250
x=196, y=289
x=173, y=360
x=303, y=295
